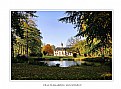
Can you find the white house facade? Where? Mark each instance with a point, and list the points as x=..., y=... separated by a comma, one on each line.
x=61, y=51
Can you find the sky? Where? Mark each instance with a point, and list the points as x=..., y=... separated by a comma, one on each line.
x=53, y=31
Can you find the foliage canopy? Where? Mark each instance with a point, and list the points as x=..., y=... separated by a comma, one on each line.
x=25, y=35
x=91, y=25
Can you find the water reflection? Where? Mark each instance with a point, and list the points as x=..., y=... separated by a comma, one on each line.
x=63, y=63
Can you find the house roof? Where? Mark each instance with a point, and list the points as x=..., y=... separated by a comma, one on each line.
x=61, y=48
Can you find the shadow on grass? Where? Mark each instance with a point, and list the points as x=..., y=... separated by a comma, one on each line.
x=25, y=71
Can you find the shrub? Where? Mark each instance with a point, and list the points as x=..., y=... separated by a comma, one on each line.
x=20, y=59
x=24, y=58
x=57, y=65
x=89, y=55
x=36, y=54
x=32, y=54
x=75, y=55
x=85, y=55
x=39, y=54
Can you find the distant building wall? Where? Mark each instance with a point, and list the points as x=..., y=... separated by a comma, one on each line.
x=62, y=53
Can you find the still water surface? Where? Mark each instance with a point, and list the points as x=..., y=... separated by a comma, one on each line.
x=63, y=63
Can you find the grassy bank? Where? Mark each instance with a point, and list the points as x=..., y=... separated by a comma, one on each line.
x=24, y=71
x=55, y=58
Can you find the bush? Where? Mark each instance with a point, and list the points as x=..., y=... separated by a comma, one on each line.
x=39, y=59
x=39, y=54
x=85, y=55
x=32, y=54
x=36, y=54
x=75, y=55
x=20, y=59
x=24, y=58
x=89, y=55
x=57, y=65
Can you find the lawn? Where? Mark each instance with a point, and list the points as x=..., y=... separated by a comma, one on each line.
x=25, y=71
x=57, y=57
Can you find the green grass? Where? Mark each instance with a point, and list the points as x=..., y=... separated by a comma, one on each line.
x=57, y=57
x=24, y=71
x=54, y=58
x=97, y=59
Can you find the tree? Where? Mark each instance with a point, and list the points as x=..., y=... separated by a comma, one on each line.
x=47, y=49
x=73, y=40
x=81, y=47
x=33, y=37
x=92, y=25
x=17, y=26
x=25, y=36
x=53, y=47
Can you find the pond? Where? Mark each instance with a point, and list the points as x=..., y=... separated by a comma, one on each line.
x=63, y=63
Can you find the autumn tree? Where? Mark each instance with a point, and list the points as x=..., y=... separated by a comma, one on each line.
x=92, y=25
x=47, y=50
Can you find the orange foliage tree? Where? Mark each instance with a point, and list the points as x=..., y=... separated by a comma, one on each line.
x=47, y=50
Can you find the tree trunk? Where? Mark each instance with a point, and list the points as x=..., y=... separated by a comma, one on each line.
x=27, y=43
x=12, y=49
x=21, y=49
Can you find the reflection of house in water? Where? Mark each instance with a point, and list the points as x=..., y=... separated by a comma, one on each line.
x=62, y=51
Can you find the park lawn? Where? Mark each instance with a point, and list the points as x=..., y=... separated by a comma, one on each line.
x=57, y=57
x=25, y=71
x=82, y=58
x=54, y=58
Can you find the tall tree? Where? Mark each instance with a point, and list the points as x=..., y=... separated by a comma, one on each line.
x=33, y=37
x=17, y=27
x=92, y=24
